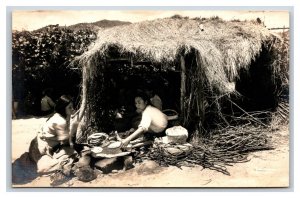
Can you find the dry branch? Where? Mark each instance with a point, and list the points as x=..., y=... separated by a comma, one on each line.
x=225, y=147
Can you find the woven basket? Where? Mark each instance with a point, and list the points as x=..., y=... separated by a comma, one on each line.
x=171, y=114
x=177, y=134
x=97, y=139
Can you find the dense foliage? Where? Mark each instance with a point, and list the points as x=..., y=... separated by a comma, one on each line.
x=41, y=59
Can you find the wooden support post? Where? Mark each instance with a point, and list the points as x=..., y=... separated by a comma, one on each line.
x=77, y=121
x=183, y=85
x=200, y=95
x=131, y=61
x=84, y=91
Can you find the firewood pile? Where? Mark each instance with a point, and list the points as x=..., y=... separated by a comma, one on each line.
x=283, y=111
x=223, y=148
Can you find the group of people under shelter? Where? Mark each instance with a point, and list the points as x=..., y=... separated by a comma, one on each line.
x=54, y=136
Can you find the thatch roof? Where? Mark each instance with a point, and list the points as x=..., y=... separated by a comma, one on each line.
x=223, y=47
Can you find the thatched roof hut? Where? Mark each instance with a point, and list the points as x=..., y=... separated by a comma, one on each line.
x=208, y=55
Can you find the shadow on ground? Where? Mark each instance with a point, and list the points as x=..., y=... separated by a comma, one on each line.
x=24, y=170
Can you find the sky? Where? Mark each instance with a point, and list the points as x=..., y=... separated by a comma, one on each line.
x=35, y=19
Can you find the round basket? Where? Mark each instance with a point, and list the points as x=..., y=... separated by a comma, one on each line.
x=177, y=134
x=171, y=114
x=97, y=139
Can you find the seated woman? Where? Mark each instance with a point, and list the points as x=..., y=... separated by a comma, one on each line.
x=54, y=133
x=153, y=120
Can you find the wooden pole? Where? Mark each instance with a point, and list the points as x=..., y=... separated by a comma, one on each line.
x=84, y=91
x=200, y=95
x=183, y=85
x=77, y=121
x=131, y=61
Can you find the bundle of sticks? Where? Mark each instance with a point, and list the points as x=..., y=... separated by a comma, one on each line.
x=225, y=147
x=283, y=110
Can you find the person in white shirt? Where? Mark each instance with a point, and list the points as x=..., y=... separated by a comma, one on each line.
x=153, y=120
x=54, y=133
x=47, y=104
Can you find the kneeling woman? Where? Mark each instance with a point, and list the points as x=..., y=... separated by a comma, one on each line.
x=153, y=120
x=54, y=134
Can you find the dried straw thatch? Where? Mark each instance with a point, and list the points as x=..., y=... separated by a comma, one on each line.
x=220, y=49
x=224, y=47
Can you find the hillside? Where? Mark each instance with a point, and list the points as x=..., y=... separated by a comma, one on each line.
x=91, y=26
x=98, y=24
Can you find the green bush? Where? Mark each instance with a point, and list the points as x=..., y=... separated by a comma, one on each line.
x=41, y=59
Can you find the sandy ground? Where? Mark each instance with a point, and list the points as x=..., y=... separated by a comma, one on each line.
x=265, y=168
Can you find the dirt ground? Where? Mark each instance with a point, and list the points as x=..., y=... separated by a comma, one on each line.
x=265, y=168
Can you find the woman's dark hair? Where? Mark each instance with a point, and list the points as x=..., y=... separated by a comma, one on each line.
x=61, y=104
x=144, y=96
